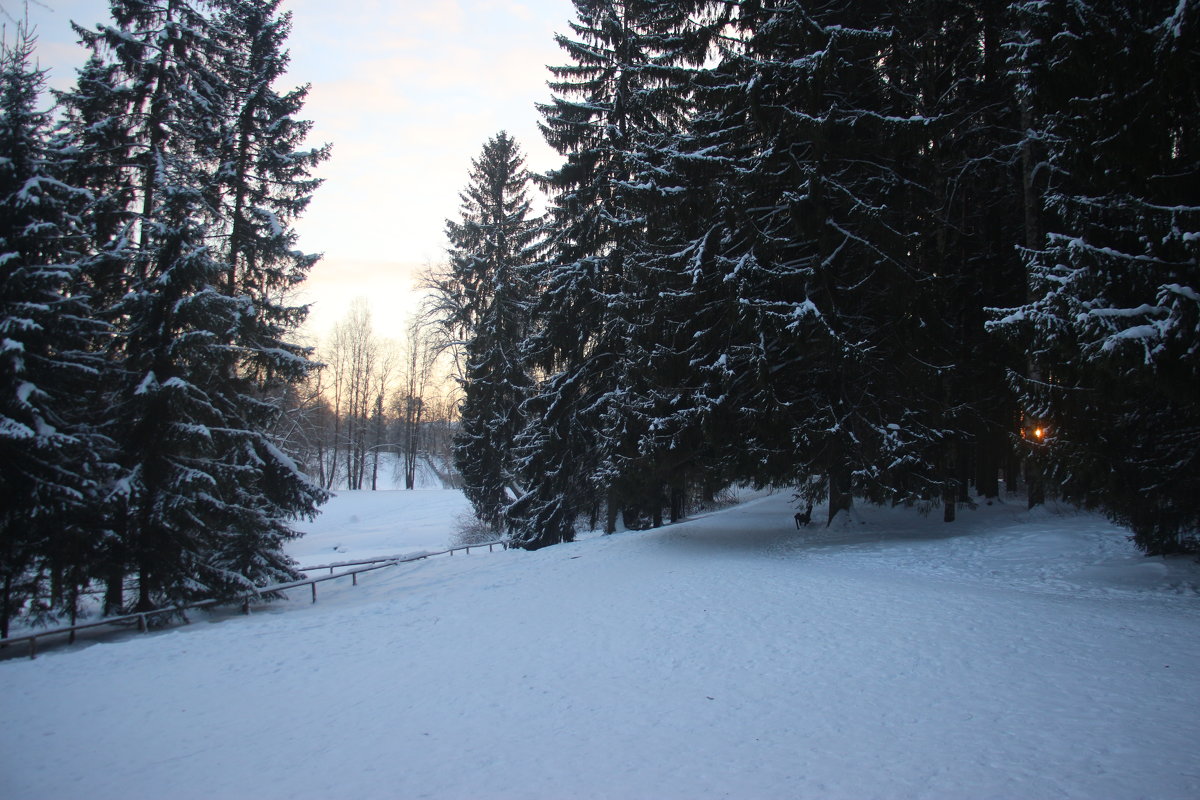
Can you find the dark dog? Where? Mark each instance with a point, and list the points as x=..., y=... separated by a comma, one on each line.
x=804, y=517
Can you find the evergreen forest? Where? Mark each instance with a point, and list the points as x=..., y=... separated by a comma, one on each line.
x=905, y=252
x=910, y=252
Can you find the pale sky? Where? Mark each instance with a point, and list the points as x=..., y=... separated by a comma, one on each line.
x=407, y=92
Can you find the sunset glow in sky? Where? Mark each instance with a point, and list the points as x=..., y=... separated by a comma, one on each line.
x=407, y=91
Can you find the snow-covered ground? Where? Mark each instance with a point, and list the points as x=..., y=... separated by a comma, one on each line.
x=1009, y=655
x=364, y=524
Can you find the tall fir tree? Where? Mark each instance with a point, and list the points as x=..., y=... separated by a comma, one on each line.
x=1113, y=320
x=618, y=92
x=93, y=134
x=841, y=201
x=49, y=457
x=264, y=178
x=963, y=206
x=213, y=180
x=795, y=277
x=483, y=301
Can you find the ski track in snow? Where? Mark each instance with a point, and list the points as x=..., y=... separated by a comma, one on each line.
x=1011, y=654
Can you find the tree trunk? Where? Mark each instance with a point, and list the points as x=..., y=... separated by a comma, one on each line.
x=144, y=602
x=840, y=496
x=56, y=583
x=413, y=442
x=335, y=453
x=949, y=483
x=1035, y=488
x=1029, y=191
x=74, y=609
x=5, y=609
x=678, y=498
x=321, y=463
x=1035, y=491
x=378, y=442
x=1012, y=473
x=987, y=463
x=350, y=452
x=114, y=591
x=965, y=465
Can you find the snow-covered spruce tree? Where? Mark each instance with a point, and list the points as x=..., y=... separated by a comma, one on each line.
x=1113, y=321
x=92, y=135
x=842, y=208
x=205, y=497
x=963, y=209
x=94, y=139
x=654, y=453
x=264, y=173
x=48, y=456
x=482, y=301
x=265, y=181
x=801, y=272
x=613, y=95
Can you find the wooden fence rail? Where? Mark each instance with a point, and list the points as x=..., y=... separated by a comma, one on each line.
x=402, y=558
x=141, y=617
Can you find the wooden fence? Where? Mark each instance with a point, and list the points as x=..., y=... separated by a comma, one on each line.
x=142, y=618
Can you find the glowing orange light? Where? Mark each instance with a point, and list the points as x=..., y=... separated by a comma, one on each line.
x=1039, y=433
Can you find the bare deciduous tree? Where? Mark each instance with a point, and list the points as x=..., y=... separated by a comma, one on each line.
x=353, y=355
x=419, y=355
x=381, y=379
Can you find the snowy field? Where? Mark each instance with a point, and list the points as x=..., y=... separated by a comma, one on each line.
x=1009, y=655
x=365, y=524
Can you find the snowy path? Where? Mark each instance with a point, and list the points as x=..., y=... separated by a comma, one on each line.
x=730, y=656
